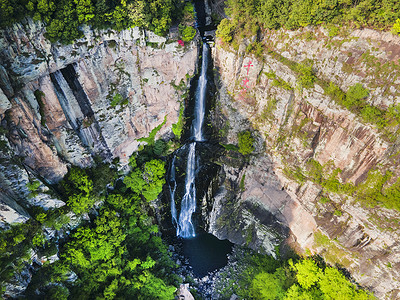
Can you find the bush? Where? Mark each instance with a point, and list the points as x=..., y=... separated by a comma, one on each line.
x=187, y=33
x=79, y=187
x=396, y=27
x=354, y=94
x=307, y=76
x=226, y=30
x=246, y=142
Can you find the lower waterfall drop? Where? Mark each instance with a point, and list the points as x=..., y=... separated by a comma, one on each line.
x=185, y=227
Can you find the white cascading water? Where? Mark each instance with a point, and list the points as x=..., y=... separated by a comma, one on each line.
x=185, y=226
x=200, y=97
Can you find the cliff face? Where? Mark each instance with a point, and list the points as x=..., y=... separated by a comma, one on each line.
x=296, y=128
x=62, y=104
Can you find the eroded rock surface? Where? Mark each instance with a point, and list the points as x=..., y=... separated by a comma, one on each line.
x=64, y=104
x=299, y=125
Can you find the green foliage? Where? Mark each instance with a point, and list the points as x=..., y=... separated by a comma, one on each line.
x=262, y=277
x=308, y=273
x=118, y=254
x=38, y=240
x=324, y=200
x=307, y=77
x=178, y=127
x=188, y=11
x=225, y=31
x=187, y=33
x=115, y=254
x=337, y=213
x=57, y=292
x=269, y=109
x=150, y=139
x=335, y=92
x=33, y=187
x=38, y=95
x=230, y=147
x=333, y=31
x=242, y=185
x=79, y=188
x=64, y=18
x=396, y=27
x=15, y=243
x=373, y=191
x=268, y=286
x=273, y=14
x=246, y=142
x=257, y=49
x=118, y=100
x=353, y=96
x=160, y=148
x=148, y=180
x=279, y=82
x=326, y=283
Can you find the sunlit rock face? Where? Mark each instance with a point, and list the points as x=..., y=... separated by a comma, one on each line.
x=292, y=126
x=65, y=104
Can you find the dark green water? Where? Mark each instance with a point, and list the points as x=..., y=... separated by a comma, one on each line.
x=206, y=253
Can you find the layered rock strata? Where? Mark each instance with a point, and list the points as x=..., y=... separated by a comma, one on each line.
x=65, y=104
x=294, y=126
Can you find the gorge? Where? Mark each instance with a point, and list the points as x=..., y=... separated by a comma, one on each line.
x=319, y=177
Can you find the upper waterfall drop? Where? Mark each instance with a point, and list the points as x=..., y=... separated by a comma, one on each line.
x=201, y=97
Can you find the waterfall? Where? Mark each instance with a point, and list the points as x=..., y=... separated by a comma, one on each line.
x=185, y=227
x=201, y=97
x=188, y=205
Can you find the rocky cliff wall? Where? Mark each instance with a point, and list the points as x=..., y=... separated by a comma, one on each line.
x=297, y=127
x=65, y=104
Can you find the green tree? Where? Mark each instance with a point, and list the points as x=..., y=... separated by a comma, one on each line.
x=187, y=33
x=149, y=180
x=79, y=189
x=308, y=273
x=295, y=292
x=84, y=10
x=396, y=27
x=226, y=30
x=267, y=286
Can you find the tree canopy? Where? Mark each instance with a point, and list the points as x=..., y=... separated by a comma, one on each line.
x=248, y=16
x=63, y=18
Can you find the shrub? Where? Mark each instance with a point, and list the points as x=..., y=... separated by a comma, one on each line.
x=333, y=31
x=307, y=76
x=246, y=141
x=396, y=27
x=338, y=213
x=226, y=30
x=187, y=33
x=354, y=94
x=178, y=127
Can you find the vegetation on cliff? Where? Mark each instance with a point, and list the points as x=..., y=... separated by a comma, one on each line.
x=116, y=253
x=255, y=276
x=64, y=18
x=248, y=16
